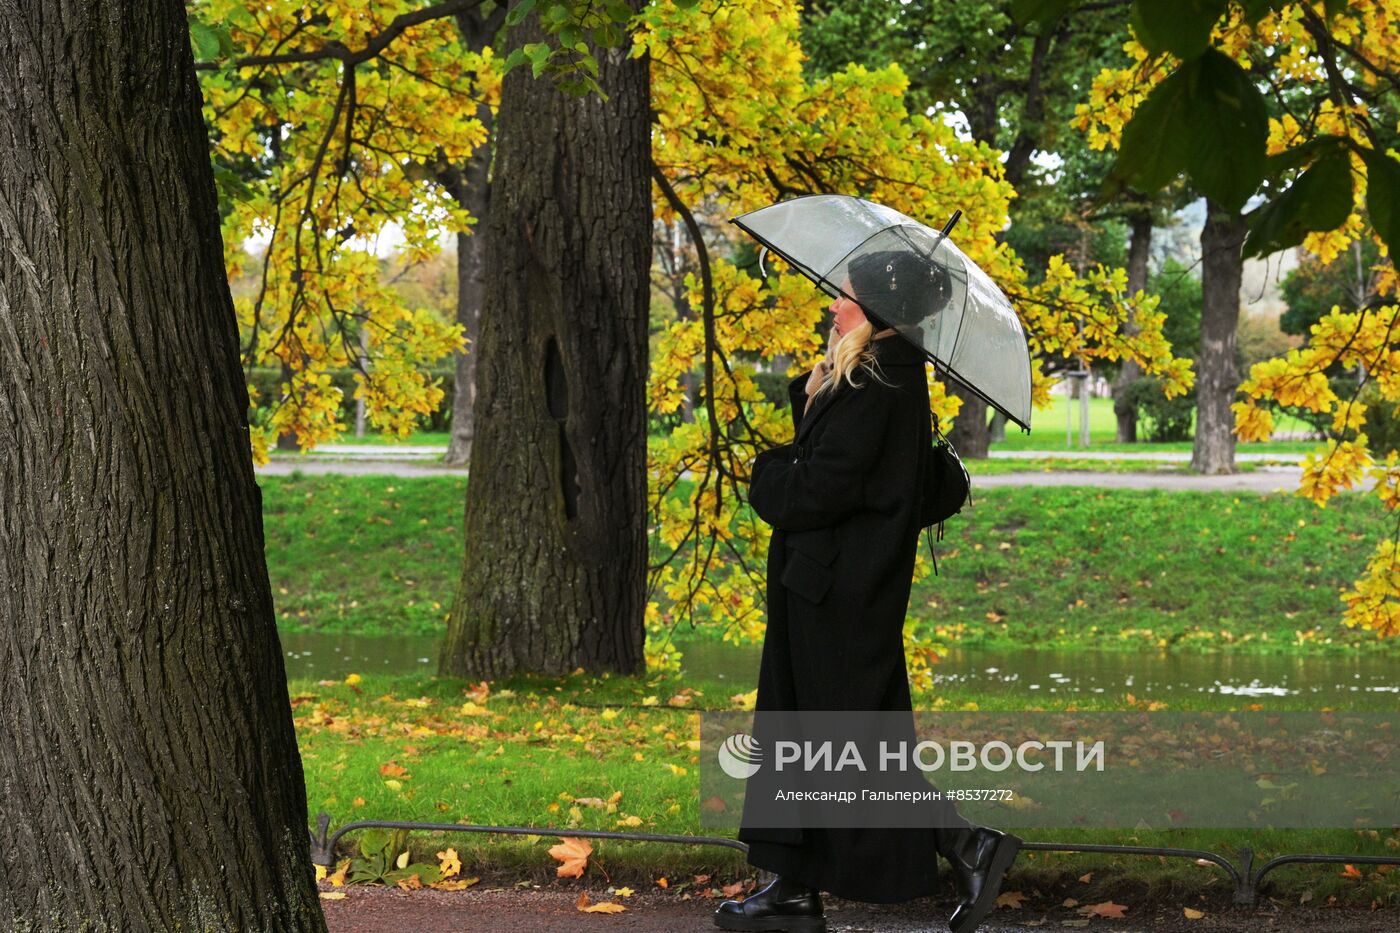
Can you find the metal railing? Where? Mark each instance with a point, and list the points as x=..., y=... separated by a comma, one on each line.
x=1246, y=880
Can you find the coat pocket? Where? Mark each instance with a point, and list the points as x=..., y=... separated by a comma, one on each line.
x=810, y=555
x=820, y=544
x=806, y=577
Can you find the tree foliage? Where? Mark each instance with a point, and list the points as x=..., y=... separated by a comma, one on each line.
x=1324, y=164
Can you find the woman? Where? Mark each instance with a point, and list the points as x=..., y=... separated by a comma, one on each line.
x=842, y=503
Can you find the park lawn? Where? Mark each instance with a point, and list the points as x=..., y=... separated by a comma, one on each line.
x=526, y=750
x=1044, y=566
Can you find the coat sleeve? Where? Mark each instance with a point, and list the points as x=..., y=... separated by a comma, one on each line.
x=827, y=484
x=797, y=399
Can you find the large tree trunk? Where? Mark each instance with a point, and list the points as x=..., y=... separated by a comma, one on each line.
x=1216, y=376
x=555, y=570
x=1139, y=248
x=149, y=770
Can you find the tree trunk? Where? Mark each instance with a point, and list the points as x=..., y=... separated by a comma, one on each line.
x=150, y=774
x=1139, y=248
x=470, y=186
x=1216, y=376
x=555, y=570
x=473, y=193
x=969, y=434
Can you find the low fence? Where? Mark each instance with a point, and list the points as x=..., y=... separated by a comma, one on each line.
x=1246, y=879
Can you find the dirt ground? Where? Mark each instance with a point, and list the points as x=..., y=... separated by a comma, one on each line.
x=552, y=908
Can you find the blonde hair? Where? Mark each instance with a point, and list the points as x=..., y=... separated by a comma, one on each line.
x=848, y=354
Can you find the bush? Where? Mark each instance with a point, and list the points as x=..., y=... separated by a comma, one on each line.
x=1162, y=418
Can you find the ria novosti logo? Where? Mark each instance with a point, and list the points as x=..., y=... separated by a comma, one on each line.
x=740, y=756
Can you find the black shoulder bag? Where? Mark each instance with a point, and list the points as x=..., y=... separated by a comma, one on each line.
x=945, y=488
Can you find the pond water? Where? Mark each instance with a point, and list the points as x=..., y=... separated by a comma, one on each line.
x=1027, y=672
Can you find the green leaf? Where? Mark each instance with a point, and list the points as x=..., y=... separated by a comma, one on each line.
x=1293, y=158
x=1318, y=199
x=537, y=52
x=1182, y=27
x=514, y=58
x=1383, y=197
x=374, y=841
x=1045, y=12
x=1206, y=119
x=686, y=4
x=1156, y=141
x=206, y=41
x=619, y=12
x=1255, y=10
x=1333, y=7
x=519, y=12
x=428, y=874
x=1229, y=127
x=557, y=14
x=568, y=36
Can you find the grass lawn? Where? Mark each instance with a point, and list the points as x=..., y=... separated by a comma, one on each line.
x=1091, y=570
x=614, y=753
x=1028, y=566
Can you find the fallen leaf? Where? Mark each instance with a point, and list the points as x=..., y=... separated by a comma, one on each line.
x=573, y=853
x=1350, y=871
x=455, y=884
x=1305, y=897
x=353, y=679
x=1010, y=899
x=1104, y=909
x=320, y=872
x=1088, y=876
x=1192, y=914
x=332, y=895
x=338, y=877
x=411, y=883
x=1069, y=902
x=392, y=769
x=624, y=892
x=450, y=863
x=587, y=907
x=661, y=882
x=402, y=860
x=729, y=890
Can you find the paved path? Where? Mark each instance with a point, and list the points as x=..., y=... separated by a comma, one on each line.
x=1261, y=480
x=553, y=909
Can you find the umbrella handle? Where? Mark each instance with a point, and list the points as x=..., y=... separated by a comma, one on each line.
x=761, y=253
x=948, y=227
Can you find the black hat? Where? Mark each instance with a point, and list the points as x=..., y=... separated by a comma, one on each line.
x=899, y=288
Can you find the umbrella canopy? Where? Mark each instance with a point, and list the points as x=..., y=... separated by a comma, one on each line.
x=910, y=277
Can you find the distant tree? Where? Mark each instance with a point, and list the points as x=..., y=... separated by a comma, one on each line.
x=1349, y=281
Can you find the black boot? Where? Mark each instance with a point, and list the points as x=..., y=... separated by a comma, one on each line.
x=781, y=905
x=979, y=857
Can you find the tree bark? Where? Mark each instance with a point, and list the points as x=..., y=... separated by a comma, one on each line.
x=470, y=186
x=969, y=435
x=1216, y=376
x=150, y=774
x=555, y=570
x=1139, y=249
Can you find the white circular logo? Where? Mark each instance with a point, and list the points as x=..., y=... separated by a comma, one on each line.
x=740, y=756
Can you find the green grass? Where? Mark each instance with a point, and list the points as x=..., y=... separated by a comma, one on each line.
x=1024, y=566
x=1048, y=432
x=523, y=755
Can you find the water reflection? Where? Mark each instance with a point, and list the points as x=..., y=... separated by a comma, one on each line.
x=1160, y=675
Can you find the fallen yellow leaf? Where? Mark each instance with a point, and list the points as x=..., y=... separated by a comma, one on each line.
x=573, y=855
x=332, y=895
x=1192, y=914
x=353, y=679
x=587, y=907
x=450, y=863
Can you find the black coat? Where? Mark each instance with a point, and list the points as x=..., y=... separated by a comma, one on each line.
x=842, y=502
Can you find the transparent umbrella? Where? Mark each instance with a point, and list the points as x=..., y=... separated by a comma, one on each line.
x=910, y=277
